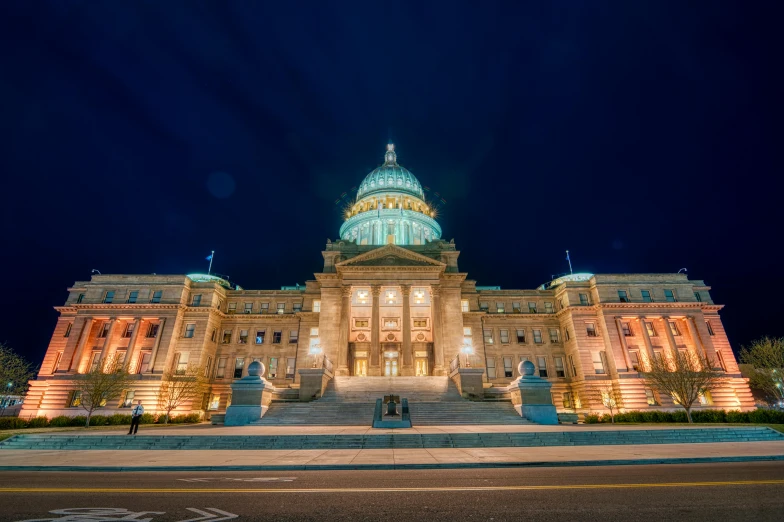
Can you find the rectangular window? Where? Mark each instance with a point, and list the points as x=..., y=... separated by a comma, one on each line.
x=95, y=361
x=490, y=368
x=391, y=323
x=627, y=330
x=508, y=367
x=127, y=399
x=718, y=354
x=532, y=307
x=232, y=309
x=521, y=335
x=553, y=335
x=68, y=330
x=214, y=334
x=316, y=305
x=75, y=400
x=272, y=371
x=152, y=330
x=181, y=362
x=56, y=362
x=567, y=400
x=572, y=367
x=196, y=301
x=674, y=328
x=314, y=331
x=189, y=330
x=133, y=296
x=226, y=337
x=420, y=323
x=650, y=396
x=361, y=323
x=220, y=373
x=584, y=299
x=488, y=336
x=144, y=365
x=698, y=297
x=541, y=363
x=559, y=367
x=464, y=305
x=108, y=297
x=538, y=336
x=669, y=296
x=260, y=336
x=293, y=336
x=214, y=402
x=561, y=303
x=516, y=307
x=290, y=366
x=129, y=328
x=466, y=331
x=239, y=364
x=483, y=307
x=243, y=337
x=391, y=297
x=248, y=308
x=297, y=307
x=208, y=367
x=80, y=298
x=119, y=359
x=590, y=329
x=659, y=355
x=566, y=334
x=622, y=296
x=710, y=327
x=548, y=307
x=265, y=308
x=281, y=308
x=499, y=307
x=634, y=358
x=650, y=329
x=105, y=327
x=156, y=296
x=277, y=336
x=646, y=296
x=419, y=296
x=504, y=336
x=598, y=362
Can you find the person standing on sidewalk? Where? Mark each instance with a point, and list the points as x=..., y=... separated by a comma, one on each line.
x=136, y=417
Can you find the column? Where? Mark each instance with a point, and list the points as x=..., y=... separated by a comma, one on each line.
x=695, y=337
x=624, y=346
x=161, y=322
x=438, y=348
x=670, y=337
x=76, y=360
x=108, y=340
x=375, y=332
x=345, y=316
x=408, y=355
x=131, y=351
x=645, y=337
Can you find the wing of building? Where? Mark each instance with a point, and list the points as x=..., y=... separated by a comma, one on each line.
x=389, y=301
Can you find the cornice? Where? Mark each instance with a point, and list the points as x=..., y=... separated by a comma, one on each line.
x=391, y=269
x=66, y=309
x=129, y=306
x=656, y=305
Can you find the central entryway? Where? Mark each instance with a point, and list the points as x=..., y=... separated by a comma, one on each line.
x=390, y=367
x=391, y=362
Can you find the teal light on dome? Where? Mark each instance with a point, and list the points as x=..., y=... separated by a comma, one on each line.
x=390, y=207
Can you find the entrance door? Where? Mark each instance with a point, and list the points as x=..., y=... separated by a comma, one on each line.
x=390, y=368
x=421, y=367
x=360, y=368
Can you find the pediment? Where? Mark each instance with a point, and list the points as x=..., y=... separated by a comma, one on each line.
x=391, y=256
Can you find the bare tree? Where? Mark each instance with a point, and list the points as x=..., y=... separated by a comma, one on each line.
x=766, y=357
x=683, y=376
x=609, y=397
x=103, y=383
x=180, y=387
x=15, y=374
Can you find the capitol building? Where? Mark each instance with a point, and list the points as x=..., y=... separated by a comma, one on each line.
x=390, y=302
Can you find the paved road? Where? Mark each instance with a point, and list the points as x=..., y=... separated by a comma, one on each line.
x=725, y=492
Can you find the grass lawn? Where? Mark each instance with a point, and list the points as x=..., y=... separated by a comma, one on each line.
x=4, y=434
x=777, y=427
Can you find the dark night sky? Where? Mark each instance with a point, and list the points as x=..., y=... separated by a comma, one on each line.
x=643, y=137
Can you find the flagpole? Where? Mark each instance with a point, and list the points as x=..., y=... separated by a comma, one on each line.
x=567, y=258
x=210, y=268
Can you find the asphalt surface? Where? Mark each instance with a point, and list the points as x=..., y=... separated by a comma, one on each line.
x=726, y=492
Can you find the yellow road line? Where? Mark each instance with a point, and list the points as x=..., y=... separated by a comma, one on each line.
x=394, y=490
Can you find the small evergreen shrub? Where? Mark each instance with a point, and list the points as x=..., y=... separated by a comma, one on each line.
x=79, y=420
x=147, y=418
x=38, y=422
x=12, y=423
x=98, y=420
x=591, y=418
x=118, y=419
x=737, y=416
x=60, y=421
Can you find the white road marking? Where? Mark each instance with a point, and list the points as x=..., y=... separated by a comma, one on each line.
x=209, y=516
x=233, y=479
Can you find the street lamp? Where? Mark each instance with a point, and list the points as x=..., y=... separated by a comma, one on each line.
x=468, y=350
x=315, y=350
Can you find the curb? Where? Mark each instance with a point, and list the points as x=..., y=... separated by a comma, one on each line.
x=453, y=465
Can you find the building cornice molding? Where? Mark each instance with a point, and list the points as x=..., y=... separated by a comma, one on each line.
x=656, y=306
x=128, y=306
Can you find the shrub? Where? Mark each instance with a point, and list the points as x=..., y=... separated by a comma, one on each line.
x=737, y=416
x=118, y=419
x=79, y=420
x=38, y=422
x=12, y=423
x=60, y=421
x=147, y=418
x=192, y=418
x=98, y=420
x=591, y=418
x=709, y=416
x=766, y=416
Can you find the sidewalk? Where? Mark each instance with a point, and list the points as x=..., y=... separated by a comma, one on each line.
x=260, y=460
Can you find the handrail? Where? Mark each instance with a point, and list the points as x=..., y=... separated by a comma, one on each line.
x=454, y=364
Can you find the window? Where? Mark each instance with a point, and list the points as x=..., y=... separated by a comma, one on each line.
x=119, y=359
x=361, y=323
x=650, y=396
x=362, y=296
x=265, y=308
x=548, y=307
x=293, y=336
x=95, y=360
x=508, y=367
x=705, y=398
x=214, y=334
x=521, y=335
x=272, y=371
x=260, y=336
x=208, y=367
x=156, y=296
x=567, y=400
x=144, y=365
x=248, y=308
x=598, y=362
x=226, y=337
x=464, y=305
x=152, y=330
x=391, y=297
x=76, y=399
x=80, y=298
x=232, y=308
x=718, y=354
x=553, y=335
x=590, y=329
x=297, y=307
x=516, y=307
x=214, y=402
x=196, y=301
x=220, y=373
x=669, y=296
x=560, y=303
x=499, y=307
x=420, y=323
x=239, y=364
x=316, y=305
x=390, y=324
x=646, y=296
x=532, y=307
x=538, y=336
x=276, y=336
x=243, y=337
x=566, y=334
x=710, y=327
x=491, y=368
x=634, y=358
x=127, y=400
x=108, y=297
x=290, y=365
x=627, y=330
x=189, y=329
x=504, y=336
x=541, y=363
x=181, y=362
x=68, y=330
x=698, y=297
x=650, y=329
x=572, y=367
x=133, y=296
x=622, y=296
x=105, y=327
x=281, y=308
x=659, y=355
x=129, y=328
x=488, y=336
x=483, y=307
x=58, y=356
x=674, y=328
x=559, y=367
x=314, y=331
x=584, y=299
x=466, y=331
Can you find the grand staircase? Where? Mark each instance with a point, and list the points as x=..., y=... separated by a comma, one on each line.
x=350, y=401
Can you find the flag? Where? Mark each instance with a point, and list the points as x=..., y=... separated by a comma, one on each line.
x=209, y=257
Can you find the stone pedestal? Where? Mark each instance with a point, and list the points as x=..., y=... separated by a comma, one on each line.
x=469, y=383
x=531, y=396
x=312, y=383
x=250, y=397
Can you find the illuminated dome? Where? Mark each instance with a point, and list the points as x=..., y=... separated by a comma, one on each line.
x=390, y=208
x=578, y=277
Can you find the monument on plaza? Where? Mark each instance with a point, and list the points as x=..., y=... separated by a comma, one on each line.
x=251, y=396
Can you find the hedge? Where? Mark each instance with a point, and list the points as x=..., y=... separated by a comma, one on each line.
x=117, y=419
x=759, y=416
